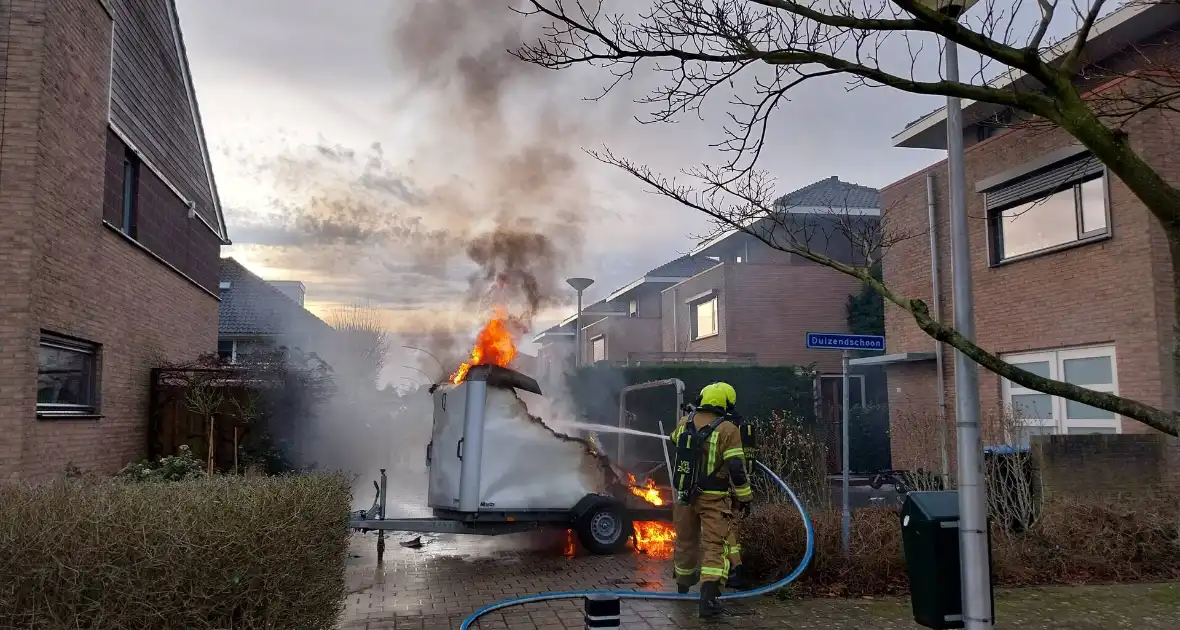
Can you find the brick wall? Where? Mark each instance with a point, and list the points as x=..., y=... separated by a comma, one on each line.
x=23, y=39
x=772, y=307
x=1113, y=292
x=676, y=329
x=1087, y=466
x=623, y=336
x=83, y=279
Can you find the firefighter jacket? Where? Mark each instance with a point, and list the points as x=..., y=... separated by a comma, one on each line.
x=723, y=460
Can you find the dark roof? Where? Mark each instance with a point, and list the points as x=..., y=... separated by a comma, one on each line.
x=831, y=193
x=683, y=267
x=252, y=306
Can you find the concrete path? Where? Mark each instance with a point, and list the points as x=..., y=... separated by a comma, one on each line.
x=439, y=584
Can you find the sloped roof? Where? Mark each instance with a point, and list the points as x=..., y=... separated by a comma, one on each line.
x=825, y=196
x=252, y=306
x=683, y=267
x=831, y=193
x=1110, y=34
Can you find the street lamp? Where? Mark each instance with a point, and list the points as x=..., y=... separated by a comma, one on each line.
x=579, y=285
x=975, y=563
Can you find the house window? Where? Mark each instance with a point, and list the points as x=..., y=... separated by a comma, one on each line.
x=227, y=350
x=633, y=308
x=704, y=318
x=598, y=349
x=1041, y=414
x=1048, y=210
x=130, y=194
x=66, y=376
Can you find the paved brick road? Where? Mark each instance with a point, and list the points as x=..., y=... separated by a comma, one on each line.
x=438, y=585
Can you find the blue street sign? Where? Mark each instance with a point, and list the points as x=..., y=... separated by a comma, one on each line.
x=842, y=341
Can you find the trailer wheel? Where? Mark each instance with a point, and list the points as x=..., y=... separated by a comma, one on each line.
x=604, y=529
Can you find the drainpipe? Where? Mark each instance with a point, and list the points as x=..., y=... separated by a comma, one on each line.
x=936, y=303
x=675, y=324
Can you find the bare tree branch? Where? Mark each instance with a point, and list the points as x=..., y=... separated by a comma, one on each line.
x=1072, y=59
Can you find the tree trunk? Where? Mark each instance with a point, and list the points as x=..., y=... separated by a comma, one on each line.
x=1172, y=391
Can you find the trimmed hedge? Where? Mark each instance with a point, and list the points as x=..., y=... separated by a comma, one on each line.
x=761, y=390
x=205, y=553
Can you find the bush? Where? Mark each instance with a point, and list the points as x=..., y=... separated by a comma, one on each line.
x=202, y=553
x=1070, y=543
x=170, y=468
x=792, y=448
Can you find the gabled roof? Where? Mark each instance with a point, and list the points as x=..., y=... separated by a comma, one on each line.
x=823, y=197
x=673, y=272
x=153, y=104
x=1133, y=22
x=252, y=306
x=831, y=193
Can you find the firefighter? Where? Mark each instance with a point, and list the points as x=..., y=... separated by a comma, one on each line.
x=733, y=546
x=709, y=474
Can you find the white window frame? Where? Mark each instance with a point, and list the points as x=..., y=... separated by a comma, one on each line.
x=633, y=308
x=594, y=358
x=696, y=324
x=1056, y=359
x=233, y=350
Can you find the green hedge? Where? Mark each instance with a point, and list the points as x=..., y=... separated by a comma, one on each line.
x=760, y=390
x=199, y=554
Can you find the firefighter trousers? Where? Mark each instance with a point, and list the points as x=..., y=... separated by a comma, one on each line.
x=733, y=544
x=703, y=531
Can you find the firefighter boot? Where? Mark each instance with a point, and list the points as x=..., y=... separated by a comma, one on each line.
x=711, y=608
x=736, y=580
x=683, y=588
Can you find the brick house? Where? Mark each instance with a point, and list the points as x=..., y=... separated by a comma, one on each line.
x=1071, y=273
x=110, y=232
x=258, y=314
x=732, y=298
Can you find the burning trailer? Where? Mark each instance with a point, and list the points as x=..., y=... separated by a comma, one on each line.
x=496, y=469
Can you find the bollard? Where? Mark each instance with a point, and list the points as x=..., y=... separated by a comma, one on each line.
x=603, y=611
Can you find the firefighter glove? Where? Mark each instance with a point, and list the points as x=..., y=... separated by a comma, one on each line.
x=744, y=509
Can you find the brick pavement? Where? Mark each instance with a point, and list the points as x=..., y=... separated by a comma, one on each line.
x=440, y=584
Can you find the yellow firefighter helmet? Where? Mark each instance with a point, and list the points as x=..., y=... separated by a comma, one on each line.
x=719, y=396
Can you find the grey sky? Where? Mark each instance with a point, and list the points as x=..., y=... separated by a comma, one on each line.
x=277, y=77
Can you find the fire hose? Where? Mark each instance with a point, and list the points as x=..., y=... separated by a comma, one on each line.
x=755, y=592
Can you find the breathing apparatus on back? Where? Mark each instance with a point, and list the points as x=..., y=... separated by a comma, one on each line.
x=691, y=441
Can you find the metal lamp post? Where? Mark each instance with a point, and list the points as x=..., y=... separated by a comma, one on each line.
x=579, y=285
x=973, y=546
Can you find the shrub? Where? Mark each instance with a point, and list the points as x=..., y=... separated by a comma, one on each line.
x=1070, y=543
x=202, y=553
x=794, y=450
x=170, y=468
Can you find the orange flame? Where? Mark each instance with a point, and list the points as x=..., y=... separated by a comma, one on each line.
x=655, y=538
x=493, y=346
x=571, y=548
x=648, y=492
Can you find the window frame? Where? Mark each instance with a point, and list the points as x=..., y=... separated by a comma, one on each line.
x=1088, y=170
x=694, y=320
x=79, y=346
x=233, y=349
x=594, y=345
x=851, y=377
x=1060, y=422
x=633, y=309
x=129, y=211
